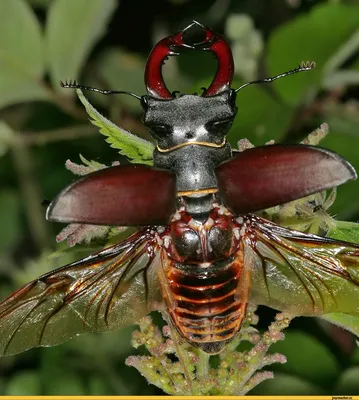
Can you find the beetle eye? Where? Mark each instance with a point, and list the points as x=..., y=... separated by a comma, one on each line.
x=223, y=124
x=159, y=129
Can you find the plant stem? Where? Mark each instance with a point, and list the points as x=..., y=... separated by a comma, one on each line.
x=31, y=194
x=57, y=135
x=202, y=367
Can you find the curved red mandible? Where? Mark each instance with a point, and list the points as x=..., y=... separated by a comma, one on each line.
x=154, y=82
x=166, y=47
x=225, y=70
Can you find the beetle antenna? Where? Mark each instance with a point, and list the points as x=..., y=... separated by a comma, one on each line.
x=304, y=66
x=75, y=85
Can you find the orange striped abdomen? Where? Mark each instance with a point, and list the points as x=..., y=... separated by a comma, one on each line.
x=204, y=282
x=206, y=304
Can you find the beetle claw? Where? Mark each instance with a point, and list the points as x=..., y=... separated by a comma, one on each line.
x=69, y=84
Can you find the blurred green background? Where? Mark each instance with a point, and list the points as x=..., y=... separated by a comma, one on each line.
x=104, y=43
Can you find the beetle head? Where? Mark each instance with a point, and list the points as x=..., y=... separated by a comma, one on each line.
x=190, y=118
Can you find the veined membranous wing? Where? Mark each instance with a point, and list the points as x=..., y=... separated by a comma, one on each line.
x=103, y=292
x=299, y=273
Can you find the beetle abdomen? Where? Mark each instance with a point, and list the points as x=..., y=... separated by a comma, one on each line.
x=206, y=305
x=204, y=284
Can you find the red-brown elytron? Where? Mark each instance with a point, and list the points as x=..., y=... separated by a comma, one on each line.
x=199, y=252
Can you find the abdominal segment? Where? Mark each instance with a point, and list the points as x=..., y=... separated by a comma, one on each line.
x=208, y=310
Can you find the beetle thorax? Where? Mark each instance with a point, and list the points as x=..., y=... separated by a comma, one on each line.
x=190, y=133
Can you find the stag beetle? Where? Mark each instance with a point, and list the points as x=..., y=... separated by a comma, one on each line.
x=200, y=253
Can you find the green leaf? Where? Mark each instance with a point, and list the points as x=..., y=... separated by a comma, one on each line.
x=122, y=71
x=341, y=78
x=94, y=165
x=315, y=36
x=23, y=384
x=21, y=54
x=286, y=385
x=34, y=268
x=344, y=142
x=350, y=322
x=348, y=49
x=316, y=364
x=73, y=27
x=85, y=168
x=344, y=230
x=238, y=26
x=260, y=117
x=246, y=43
x=343, y=123
x=135, y=148
x=348, y=382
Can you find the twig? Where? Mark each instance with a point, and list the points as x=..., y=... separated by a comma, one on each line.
x=31, y=194
x=57, y=135
x=202, y=367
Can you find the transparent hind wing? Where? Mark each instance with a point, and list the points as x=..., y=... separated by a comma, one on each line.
x=299, y=273
x=103, y=292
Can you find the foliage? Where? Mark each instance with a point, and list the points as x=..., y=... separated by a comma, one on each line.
x=192, y=374
x=137, y=150
x=104, y=44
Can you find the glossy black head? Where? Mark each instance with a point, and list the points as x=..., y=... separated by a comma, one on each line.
x=190, y=118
